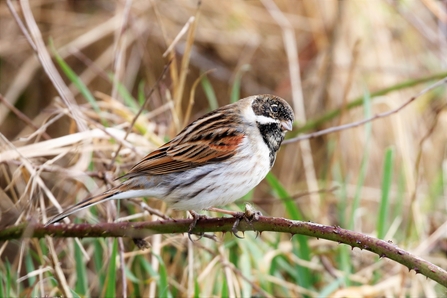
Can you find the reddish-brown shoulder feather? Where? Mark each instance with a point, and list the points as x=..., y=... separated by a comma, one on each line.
x=212, y=138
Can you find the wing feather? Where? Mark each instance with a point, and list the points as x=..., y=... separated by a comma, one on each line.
x=212, y=138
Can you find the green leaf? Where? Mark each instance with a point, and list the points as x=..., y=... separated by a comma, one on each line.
x=98, y=260
x=281, y=192
x=327, y=116
x=2, y=290
x=110, y=286
x=163, y=284
x=29, y=264
x=196, y=289
x=73, y=77
x=141, y=96
x=224, y=291
x=209, y=92
x=129, y=100
x=130, y=275
x=343, y=256
x=8, y=280
x=236, y=89
x=74, y=294
x=300, y=244
x=382, y=222
x=365, y=159
x=81, y=286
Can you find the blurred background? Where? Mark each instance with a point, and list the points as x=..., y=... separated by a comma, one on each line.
x=335, y=62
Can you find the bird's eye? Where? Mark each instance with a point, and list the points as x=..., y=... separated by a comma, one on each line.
x=274, y=108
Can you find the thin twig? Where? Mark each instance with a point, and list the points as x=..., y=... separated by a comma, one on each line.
x=22, y=116
x=295, y=197
x=361, y=122
x=192, y=96
x=179, y=36
x=119, y=51
x=150, y=210
x=49, y=67
x=129, y=129
x=417, y=169
x=290, y=45
x=358, y=101
x=178, y=92
x=21, y=25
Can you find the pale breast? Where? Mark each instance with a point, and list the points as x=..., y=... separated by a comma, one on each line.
x=221, y=183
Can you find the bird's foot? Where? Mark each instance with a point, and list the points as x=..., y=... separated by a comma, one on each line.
x=141, y=243
x=249, y=215
x=196, y=217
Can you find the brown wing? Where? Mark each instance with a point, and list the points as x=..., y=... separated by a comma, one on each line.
x=212, y=138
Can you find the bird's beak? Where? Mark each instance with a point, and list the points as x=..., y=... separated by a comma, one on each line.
x=286, y=125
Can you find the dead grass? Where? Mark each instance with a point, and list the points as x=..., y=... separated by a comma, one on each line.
x=319, y=55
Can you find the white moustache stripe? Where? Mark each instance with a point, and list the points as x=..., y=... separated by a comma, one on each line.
x=265, y=120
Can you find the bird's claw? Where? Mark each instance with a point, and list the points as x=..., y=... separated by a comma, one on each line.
x=250, y=215
x=238, y=216
x=195, y=219
x=141, y=243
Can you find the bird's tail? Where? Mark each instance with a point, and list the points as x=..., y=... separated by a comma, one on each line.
x=108, y=195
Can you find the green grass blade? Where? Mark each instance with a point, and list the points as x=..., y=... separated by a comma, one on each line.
x=98, y=261
x=400, y=197
x=73, y=77
x=132, y=277
x=196, y=289
x=141, y=96
x=163, y=285
x=236, y=89
x=382, y=222
x=345, y=264
x=81, y=286
x=224, y=291
x=148, y=267
x=364, y=164
x=29, y=264
x=8, y=280
x=75, y=294
x=275, y=270
x=291, y=208
x=2, y=290
x=129, y=100
x=331, y=288
x=344, y=256
x=110, y=286
x=300, y=244
x=209, y=92
x=312, y=124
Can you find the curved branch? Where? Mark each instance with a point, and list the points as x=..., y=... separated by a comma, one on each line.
x=263, y=224
x=327, y=116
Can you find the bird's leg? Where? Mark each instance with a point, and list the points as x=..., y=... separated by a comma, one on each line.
x=141, y=243
x=236, y=214
x=196, y=217
x=249, y=216
x=229, y=212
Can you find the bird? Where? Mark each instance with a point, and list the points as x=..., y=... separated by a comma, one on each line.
x=213, y=161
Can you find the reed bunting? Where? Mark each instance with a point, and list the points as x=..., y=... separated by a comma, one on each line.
x=214, y=161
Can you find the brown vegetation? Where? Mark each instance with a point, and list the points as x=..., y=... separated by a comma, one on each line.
x=384, y=179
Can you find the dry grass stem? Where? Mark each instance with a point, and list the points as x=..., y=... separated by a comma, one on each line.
x=85, y=94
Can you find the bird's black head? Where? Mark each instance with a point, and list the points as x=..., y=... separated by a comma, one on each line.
x=273, y=109
x=274, y=117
